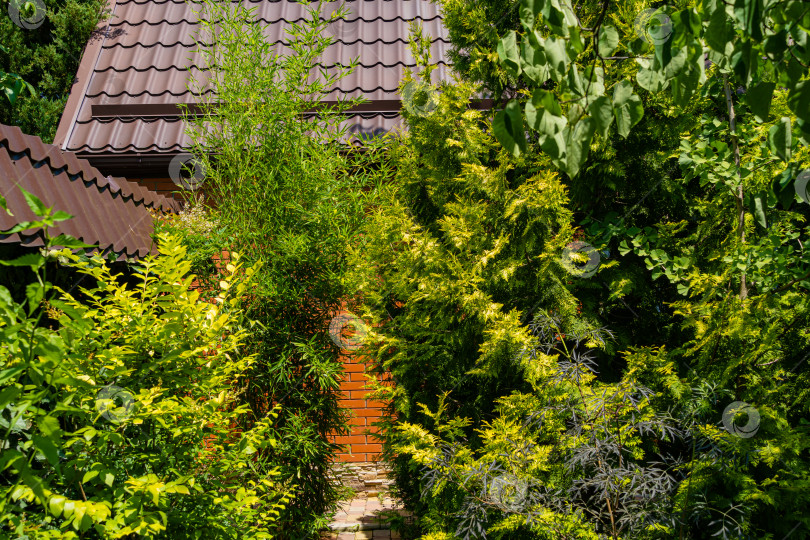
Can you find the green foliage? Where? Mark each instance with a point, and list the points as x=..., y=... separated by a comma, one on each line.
x=700, y=235
x=284, y=192
x=44, y=51
x=118, y=405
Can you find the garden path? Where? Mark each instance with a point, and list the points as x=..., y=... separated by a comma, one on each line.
x=365, y=517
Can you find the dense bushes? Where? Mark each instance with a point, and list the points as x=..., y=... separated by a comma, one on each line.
x=285, y=193
x=118, y=405
x=550, y=389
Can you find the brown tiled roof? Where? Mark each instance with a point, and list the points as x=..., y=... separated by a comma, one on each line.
x=143, y=56
x=111, y=213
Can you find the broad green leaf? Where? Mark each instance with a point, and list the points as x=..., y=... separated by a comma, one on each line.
x=89, y=475
x=720, y=30
x=49, y=426
x=676, y=64
x=627, y=107
x=34, y=292
x=749, y=13
x=24, y=226
x=602, y=114
x=9, y=373
x=509, y=55
x=59, y=215
x=48, y=448
x=65, y=241
x=776, y=44
x=757, y=204
x=557, y=57
x=780, y=139
x=508, y=128
x=578, y=141
x=574, y=82
x=544, y=114
x=533, y=62
x=7, y=395
x=743, y=59
x=56, y=504
x=593, y=80
x=32, y=260
x=685, y=86
x=34, y=203
x=759, y=98
x=608, y=40
x=799, y=100
x=108, y=477
x=650, y=78
x=529, y=9
x=783, y=186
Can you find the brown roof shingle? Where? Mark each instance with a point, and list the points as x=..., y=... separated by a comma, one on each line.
x=143, y=56
x=111, y=213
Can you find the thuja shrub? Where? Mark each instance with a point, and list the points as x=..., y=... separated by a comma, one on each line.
x=565, y=438
x=118, y=404
x=43, y=42
x=464, y=241
x=287, y=191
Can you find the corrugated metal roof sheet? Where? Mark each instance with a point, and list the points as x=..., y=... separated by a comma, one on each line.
x=111, y=213
x=144, y=56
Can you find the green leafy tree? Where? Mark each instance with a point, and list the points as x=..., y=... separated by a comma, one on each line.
x=692, y=209
x=118, y=404
x=43, y=44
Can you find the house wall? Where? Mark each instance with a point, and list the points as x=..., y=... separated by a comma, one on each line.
x=360, y=445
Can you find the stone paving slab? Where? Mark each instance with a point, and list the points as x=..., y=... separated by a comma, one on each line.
x=363, y=519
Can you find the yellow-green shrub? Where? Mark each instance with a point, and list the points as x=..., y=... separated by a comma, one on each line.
x=117, y=415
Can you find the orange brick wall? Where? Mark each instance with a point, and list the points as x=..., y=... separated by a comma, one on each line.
x=360, y=444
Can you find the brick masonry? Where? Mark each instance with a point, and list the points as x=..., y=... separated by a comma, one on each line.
x=360, y=445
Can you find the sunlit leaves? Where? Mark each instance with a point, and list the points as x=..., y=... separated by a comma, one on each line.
x=758, y=98
x=608, y=40
x=508, y=128
x=627, y=107
x=780, y=139
x=509, y=53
